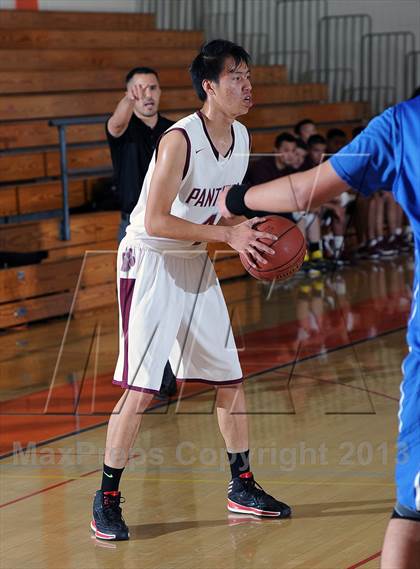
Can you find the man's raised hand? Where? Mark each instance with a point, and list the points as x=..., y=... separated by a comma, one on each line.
x=135, y=92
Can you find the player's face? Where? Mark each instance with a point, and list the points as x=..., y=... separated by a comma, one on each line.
x=317, y=153
x=299, y=158
x=286, y=153
x=306, y=131
x=233, y=91
x=148, y=105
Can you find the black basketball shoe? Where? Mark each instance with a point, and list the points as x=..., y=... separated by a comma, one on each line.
x=245, y=496
x=107, y=522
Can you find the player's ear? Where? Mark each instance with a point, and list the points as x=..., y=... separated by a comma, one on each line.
x=208, y=87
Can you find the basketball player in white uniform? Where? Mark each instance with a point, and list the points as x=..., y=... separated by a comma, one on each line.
x=171, y=303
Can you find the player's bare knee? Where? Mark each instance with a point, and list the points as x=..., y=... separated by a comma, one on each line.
x=134, y=402
x=140, y=401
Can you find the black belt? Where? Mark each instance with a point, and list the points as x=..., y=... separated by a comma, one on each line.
x=125, y=216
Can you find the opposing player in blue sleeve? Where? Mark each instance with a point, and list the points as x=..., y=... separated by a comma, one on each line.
x=386, y=155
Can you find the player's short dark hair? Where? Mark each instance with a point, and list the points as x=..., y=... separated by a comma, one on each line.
x=316, y=139
x=209, y=63
x=302, y=123
x=301, y=144
x=142, y=70
x=284, y=137
x=336, y=132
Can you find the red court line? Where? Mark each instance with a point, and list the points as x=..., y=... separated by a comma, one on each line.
x=364, y=561
x=37, y=492
x=46, y=489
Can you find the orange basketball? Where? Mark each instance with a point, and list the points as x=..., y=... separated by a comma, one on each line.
x=290, y=249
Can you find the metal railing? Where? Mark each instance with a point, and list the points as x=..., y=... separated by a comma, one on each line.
x=339, y=53
x=242, y=21
x=296, y=35
x=383, y=65
x=278, y=31
x=65, y=173
x=316, y=47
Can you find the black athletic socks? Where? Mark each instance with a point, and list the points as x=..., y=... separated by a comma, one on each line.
x=314, y=246
x=239, y=462
x=111, y=478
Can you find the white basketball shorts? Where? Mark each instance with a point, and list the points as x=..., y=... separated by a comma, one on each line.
x=171, y=307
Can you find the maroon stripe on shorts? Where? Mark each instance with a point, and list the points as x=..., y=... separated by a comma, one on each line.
x=125, y=385
x=126, y=296
x=209, y=381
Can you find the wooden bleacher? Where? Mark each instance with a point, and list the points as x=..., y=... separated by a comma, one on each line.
x=96, y=39
x=78, y=58
x=46, y=20
x=17, y=81
x=20, y=199
x=18, y=107
x=55, y=64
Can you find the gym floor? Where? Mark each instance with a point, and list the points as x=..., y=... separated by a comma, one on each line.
x=322, y=360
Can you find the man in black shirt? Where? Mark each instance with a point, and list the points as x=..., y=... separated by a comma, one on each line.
x=132, y=132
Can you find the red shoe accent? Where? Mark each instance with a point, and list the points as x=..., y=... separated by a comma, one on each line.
x=246, y=475
x=239, y=509
x=111, y=493
x=99, y=534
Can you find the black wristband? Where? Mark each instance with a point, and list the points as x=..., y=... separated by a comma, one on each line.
x=235, y=200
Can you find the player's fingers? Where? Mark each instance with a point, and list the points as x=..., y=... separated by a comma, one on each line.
x=137, y=90
x=261, y=247
x=264, y=235
x=249, y=259
x=257, y=256
x=133, y=93
x=254, y=220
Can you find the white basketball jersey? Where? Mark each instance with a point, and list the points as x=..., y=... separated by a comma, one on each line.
x=206, y=172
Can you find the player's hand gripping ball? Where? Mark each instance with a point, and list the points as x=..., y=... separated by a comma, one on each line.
x=290, y=249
